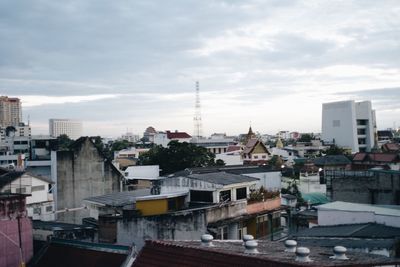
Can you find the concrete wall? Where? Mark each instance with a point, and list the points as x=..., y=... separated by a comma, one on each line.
x=339, y=123
x=269, y=180
x=382, y=188
x=229, y=210
x=82, y=173
x=336, y=217
x=188, y=225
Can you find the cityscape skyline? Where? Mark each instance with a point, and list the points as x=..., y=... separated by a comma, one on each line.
x=134, y=65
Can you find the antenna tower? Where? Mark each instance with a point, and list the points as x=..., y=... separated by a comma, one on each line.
x=197, y=116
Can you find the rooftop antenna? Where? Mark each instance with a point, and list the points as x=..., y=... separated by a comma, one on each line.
x=197, y=116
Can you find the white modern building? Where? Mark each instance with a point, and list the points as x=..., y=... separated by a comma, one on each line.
x=349, y=124
x=72, y=128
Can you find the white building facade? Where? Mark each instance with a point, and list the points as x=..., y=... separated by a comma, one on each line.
x=72, y=128
x=349, y=124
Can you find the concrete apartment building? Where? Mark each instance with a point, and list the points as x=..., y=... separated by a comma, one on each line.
x=349, y=124
x=10, y=111
x=72, y=128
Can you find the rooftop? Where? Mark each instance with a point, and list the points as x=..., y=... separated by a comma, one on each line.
x=53, y=225
x=355, y=207
x=118, y=199
x=332, y=160
x=366, y=230
x=222, y=178
x=231, y=253
x=65, y=253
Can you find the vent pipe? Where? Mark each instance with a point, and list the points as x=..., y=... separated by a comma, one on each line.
x=302, y=254
x=290, y=246
x=247, y=238
x=206, y=240
x=339, y=253
x=251, y=247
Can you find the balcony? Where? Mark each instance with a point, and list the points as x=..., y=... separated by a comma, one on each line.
x=266, y=205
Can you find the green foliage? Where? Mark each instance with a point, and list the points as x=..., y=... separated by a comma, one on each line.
x=335, y=150
x=64, y=142
x=177, y=156
x=306, y=138
x=219, y=162
x=261, y=194
x=293, y=189
x=276, y=162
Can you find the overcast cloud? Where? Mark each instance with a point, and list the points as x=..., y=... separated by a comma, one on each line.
x=130, y=64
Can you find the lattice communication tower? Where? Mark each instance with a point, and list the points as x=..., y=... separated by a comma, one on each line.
x=197, y=116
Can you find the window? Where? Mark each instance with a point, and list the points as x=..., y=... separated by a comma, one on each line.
x=37, y=188
x=256, y=157
x=241, y=193
x=21, y=190
x=225, y=195
x=336, y=123
x=49, y=208
x=362, y=122
x=360, y=131
x=262, y=225
x=264, y=156
x=171, y=204
x=222, y=233
x=201, y=196
x=36, y=210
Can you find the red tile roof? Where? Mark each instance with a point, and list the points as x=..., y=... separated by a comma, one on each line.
x=231, y=253
x=177, y=135
x=251, y=144
x=391, y=147
x=382, y=157
x=359, y=156
x=376, y=157
x=233, y=148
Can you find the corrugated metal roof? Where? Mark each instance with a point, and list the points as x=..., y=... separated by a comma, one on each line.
x=332, y=160
x=119, y=199
x=222, y=178
x=355, y=207
x=366, y=230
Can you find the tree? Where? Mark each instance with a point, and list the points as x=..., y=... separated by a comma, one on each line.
x=219, y=162
x=335, y=150
x=177, y=156
x=64, y=142
x=306, y=138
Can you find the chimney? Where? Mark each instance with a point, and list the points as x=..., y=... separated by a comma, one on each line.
x=302, y=254
x=251, y=247
x=339, y=253
x=206, y=240
x=290, y=246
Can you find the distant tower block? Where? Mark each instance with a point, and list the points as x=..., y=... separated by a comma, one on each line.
x=197, y=116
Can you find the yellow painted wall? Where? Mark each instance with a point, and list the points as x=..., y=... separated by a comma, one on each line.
x=259, y=149
x=152, y=207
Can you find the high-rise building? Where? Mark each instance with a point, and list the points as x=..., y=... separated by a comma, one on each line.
x=10, y=111
x=72, y=128
x=349, y=124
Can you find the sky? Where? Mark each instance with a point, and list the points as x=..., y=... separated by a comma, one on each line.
x=125, y=65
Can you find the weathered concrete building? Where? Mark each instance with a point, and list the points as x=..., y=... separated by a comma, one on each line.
x=82, y=172
x=369, y=187
x=184, y=207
